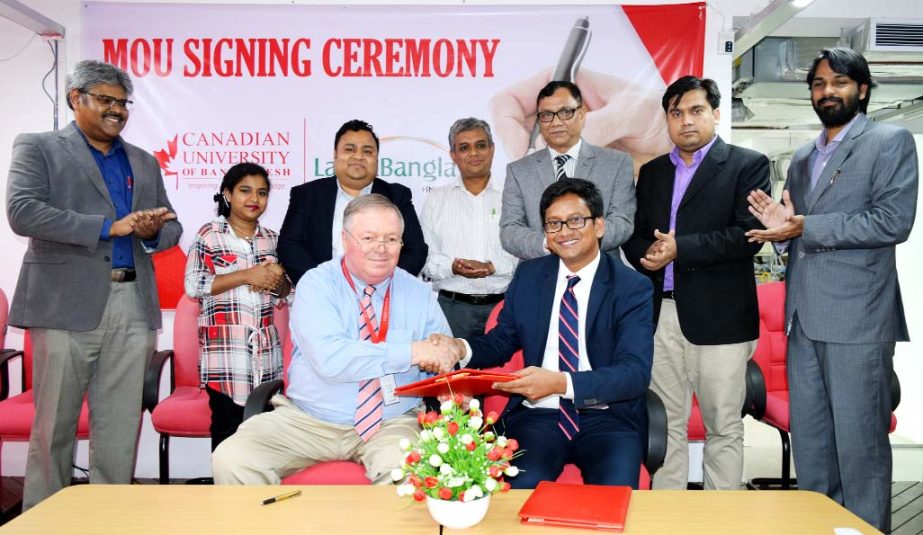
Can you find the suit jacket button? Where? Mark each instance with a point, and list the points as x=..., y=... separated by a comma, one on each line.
x=801, y=254
x=106, y=258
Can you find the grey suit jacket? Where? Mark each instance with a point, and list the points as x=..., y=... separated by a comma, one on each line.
x=521, y=231
x=842, y=278
x=57, y=198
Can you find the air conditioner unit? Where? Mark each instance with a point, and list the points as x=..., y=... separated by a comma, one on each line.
x=889, y=40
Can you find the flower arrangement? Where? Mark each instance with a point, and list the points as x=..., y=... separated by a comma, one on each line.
x=457, y=456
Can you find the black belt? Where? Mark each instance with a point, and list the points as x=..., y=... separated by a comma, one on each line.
x=123, y=275
x=669, y=295
x=472, y=299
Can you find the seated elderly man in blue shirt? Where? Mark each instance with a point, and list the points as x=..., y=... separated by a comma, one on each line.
x=360, y=327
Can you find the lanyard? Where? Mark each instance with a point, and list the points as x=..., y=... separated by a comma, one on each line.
x=380, y=334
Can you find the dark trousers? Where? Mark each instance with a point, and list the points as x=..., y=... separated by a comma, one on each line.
x=603, y=450
x=226, y=416
x=466, y=321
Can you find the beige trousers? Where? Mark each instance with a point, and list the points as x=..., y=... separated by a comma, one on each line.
x=717, y=376
x=277, y=444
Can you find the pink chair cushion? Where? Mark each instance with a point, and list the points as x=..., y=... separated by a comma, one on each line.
x=696, y=430
x=330, y=473
x=184, y=413
x=777, y=410
x=17, y=413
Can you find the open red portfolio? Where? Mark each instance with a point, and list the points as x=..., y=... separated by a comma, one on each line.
x=465, y=381
x=577, y=506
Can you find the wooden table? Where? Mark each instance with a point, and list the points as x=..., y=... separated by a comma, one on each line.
x=222, y=510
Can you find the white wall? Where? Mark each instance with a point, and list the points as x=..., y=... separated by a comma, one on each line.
x=24, y=108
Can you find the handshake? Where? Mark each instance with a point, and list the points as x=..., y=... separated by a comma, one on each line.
x=438, y=354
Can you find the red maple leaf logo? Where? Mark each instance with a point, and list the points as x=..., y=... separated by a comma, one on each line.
x=165, y=157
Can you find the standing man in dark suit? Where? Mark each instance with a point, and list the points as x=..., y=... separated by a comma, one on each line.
x=561, y=116
x=583, y=321
x=310, y=233
x=94, y=209
x=849, y=200
x=689, y=239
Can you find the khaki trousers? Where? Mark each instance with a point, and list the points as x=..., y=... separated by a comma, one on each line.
x=717, y=376
x=277, y=444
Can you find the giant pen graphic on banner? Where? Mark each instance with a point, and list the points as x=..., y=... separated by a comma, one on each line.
x=566, y=70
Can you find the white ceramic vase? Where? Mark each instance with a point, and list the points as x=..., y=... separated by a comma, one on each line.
x=458, y=515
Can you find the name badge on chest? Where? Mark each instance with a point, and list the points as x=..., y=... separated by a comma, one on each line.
x=387, y=389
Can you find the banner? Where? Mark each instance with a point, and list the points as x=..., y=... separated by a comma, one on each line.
x=216, y=85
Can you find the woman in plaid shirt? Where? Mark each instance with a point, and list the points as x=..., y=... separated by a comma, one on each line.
x=233, y=270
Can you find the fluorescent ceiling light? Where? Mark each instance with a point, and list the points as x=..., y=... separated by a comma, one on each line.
x=800, y=4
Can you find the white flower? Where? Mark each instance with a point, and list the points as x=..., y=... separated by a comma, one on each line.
x=466, y=439
x=439, y=433
x=474, y=404
x=426, y=435
x=490, y=484
x=446, y=469
x=476, y=422
x=446, y=406
x=511, y=471
x=405, y=490
x=397, y=474
x=404, y=444
x=435, y=460
x=455, y=482
x=501, y=441
x=474, y=493
x=443, y=448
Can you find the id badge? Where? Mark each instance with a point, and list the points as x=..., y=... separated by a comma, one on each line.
x=387, y=389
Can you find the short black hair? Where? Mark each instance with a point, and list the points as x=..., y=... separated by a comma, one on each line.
x=584, y=189
x=355, y=125
x=680, y=87
x=846, y=61
x=232, y=178
x=554, y=85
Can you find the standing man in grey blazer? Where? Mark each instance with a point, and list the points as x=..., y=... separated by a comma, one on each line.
x=849, y=200
x=561, y=116
x=94, y=209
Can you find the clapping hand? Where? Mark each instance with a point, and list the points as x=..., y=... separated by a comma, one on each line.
x=147, y=223
x=779, y=218
x=661, y=252
x=472, y=269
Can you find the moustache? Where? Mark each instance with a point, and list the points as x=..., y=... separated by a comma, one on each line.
x=825, y=100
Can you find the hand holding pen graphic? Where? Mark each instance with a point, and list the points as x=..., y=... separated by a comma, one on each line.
x=621, y=114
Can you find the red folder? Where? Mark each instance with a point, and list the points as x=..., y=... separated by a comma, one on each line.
x=577, y=506
x=465, y=381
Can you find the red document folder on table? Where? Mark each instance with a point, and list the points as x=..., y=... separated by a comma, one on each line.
x=467, y=382
x=577, y=506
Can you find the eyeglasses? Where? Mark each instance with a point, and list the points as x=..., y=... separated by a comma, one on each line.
x=575, y=223
x=565, y=114
x=106, y=101
x=369, y=243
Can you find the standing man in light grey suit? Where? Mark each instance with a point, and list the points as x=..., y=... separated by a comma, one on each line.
x=94, y=209
x=849, y=200
x=561, y=116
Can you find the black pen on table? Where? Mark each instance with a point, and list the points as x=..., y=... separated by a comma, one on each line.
x=281, y=497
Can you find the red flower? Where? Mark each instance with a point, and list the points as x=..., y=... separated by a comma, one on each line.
x=445, y=493
x=491, y=417
x=461, y=496
x=413, y=457
x=430, y=482
x=431, y=418
x=470, y=446
x=420, y=416
x=415, y=480
x=419, y=495
x=504, y=486
x=507, y=453
x=495, y=471
x=452, y=428
x=495, y=453
x=458, y=399
x=474, y=413
x=512, y=444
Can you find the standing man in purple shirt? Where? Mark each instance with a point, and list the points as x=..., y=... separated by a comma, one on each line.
x=689, y=239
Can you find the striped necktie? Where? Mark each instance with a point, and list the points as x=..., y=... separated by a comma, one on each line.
x=568, y=356
x=560, y=162
x=370, y=403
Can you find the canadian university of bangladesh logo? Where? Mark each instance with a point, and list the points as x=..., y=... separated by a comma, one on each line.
x=199, y=159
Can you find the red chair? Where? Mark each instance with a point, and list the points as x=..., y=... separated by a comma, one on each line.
x=656, y=446
x=769, y=401
x=323, y=473
x=18, y=412
x=185, y=411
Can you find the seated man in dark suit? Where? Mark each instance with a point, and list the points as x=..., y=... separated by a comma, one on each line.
x=584, y=323
x=310, y=233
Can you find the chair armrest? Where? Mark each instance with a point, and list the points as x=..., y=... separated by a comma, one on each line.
x=895, y=387
x=656, y=449
x=755, y=401
x=151, y=395
x=258, y=400
x=5, y=356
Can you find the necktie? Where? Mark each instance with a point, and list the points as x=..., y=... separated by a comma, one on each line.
x=568, y=359
x=370, y=401
x=560, y=161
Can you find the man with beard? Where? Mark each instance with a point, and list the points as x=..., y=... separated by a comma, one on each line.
x=850, y=198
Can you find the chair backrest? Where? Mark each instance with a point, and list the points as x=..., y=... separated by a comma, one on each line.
x=772, y=347
x=498, y=402
x=186, y=342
